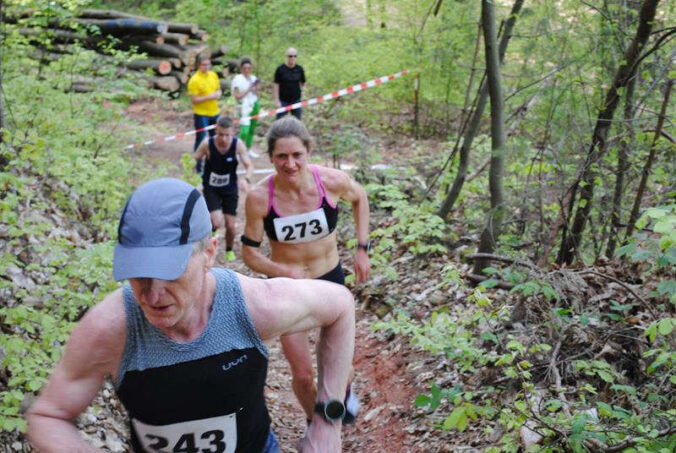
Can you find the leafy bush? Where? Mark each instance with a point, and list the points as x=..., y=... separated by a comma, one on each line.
x=63, y=180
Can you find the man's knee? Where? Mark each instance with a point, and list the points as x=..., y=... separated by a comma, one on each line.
x=217, y=219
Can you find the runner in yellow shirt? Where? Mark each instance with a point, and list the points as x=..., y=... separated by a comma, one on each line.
x=204, y=89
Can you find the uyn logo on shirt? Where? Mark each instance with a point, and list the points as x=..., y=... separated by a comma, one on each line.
x=234, y=363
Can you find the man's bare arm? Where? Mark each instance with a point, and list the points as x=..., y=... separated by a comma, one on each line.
x=243, y=157
x=93, y=351
x=202, y=150
x=280, y=306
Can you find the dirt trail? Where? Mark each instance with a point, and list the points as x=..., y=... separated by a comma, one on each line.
x=382, y=380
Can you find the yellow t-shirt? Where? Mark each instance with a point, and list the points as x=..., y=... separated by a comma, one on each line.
x=201, y=84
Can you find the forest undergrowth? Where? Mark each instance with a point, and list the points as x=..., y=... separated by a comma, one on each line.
x=528, y=355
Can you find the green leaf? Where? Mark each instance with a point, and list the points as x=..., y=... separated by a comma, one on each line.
x=628, y=389
x=8, y=424
x=490, y=270
x=490, y=283
x=579, y=423
x=659, y=361
x=605, y=410
x=34, y=385
x=666, y=326
x=422, y=401
x=456, y=420
x=666, y=287
x=554, y=405
x=490, y=336
x=605, y=376
x=651, y=332
x=590, y=388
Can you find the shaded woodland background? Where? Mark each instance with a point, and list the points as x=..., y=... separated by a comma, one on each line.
x=533, y=165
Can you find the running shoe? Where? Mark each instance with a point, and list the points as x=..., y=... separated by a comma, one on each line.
x=230, y=255
x=352, y=406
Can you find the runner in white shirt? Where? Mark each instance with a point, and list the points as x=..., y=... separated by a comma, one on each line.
x=245, y=90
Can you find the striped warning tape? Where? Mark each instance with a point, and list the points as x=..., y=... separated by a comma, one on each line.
x=263, y=114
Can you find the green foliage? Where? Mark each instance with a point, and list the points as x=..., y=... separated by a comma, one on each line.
x=188, y=167
x=63, y=181
x=608, y=408
x=417, y=228
x=656, y=249
x=523, y=284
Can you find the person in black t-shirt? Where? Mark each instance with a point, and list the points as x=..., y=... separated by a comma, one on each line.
x=289, y=83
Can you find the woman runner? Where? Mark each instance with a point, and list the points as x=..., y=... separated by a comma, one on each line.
x=297, y=208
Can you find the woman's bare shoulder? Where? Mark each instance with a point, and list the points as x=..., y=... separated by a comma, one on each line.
x=257, y=196
x=334, y=180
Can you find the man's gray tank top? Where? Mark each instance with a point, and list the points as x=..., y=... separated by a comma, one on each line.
x=205, y=395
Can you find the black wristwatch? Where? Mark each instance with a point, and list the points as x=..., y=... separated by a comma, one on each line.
x=333, y=411
x=366, y=247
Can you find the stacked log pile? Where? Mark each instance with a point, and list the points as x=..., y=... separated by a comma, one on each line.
x=172, y=49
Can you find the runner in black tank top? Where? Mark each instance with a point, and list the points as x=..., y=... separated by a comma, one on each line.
x=220, y=181
x=296, y=208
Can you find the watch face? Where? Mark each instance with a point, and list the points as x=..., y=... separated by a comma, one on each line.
x=335, y=410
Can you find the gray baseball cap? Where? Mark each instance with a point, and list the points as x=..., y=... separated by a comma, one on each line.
x=159, y=224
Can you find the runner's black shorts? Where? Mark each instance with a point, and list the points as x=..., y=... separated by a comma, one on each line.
x=336, y=275
x=227, y=202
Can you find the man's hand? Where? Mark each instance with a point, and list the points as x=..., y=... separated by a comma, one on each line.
x=321, y=437
x=217, y=94
x=243, y=186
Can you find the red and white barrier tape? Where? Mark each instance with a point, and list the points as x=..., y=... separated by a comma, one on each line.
x=263, y=114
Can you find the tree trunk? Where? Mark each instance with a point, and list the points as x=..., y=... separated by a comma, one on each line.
x=164, y=50
x=570, y=243
x=189, y=29
x=180, y=76
x=623, y=150
x=219, y=51
x=648, y=165
x=165, y=83
x=475, y=121
x=162, y=67
x=176, y=38
x=202, y=35
x=498, y=136
x=622, y=166
x=192, y=51
x=176, y=63
x=125, y=26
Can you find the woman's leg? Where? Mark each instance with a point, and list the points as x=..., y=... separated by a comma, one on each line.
x=296, y=348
